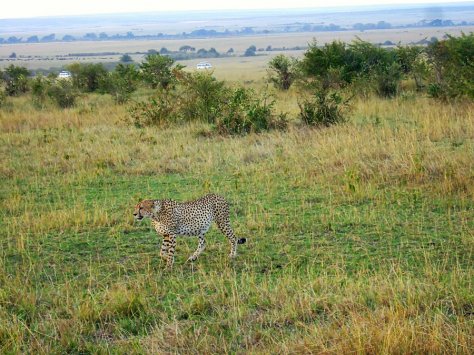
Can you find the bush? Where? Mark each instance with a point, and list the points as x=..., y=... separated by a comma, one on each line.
x=337, y=65
x=121, y=83
x=159, y=110
x=87, y=77
x=63, y=93
x=282, y=71
x=203, y=97
x=126, y=58
x=413, y=62
x=326, y=108
x=388, y=80
x=250, y=51
x=39, y=90
x=158, y=71
x=453, y=68
x=321, y=63
x=245, y=112
x=16, y=80
x=436, y=91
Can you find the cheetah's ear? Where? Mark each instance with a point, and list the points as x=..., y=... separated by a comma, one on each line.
x=156, y=206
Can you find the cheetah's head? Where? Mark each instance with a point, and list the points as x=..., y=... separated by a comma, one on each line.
x=146, y=208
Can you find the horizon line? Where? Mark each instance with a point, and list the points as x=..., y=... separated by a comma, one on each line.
x=335, y=7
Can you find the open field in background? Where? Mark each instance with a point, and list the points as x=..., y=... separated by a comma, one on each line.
x=360, y=236
x=46, y=52
x=152, y=22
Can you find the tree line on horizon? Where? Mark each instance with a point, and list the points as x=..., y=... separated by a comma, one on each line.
x=245, y=31
x=327, y=77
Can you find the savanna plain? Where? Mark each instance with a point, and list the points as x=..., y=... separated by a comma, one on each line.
x=360, y=236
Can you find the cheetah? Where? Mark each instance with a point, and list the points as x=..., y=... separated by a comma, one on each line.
x=193, y=218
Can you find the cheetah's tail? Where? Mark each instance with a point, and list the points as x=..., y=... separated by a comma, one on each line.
x=241, y=240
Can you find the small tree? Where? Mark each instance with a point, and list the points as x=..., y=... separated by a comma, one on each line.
x=157, y=70
x=126, y=58
x=282, y=71
x=122, y=82
x=250, y=51
x=186, y=48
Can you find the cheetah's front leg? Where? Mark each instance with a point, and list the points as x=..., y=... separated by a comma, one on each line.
x=200, y=248
x=171, y=249
x=165, y=245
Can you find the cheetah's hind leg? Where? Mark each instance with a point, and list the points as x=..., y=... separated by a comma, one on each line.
x=226, y=229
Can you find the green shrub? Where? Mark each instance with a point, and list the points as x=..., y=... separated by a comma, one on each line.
x=326, y=108
x=16, y=80
x=88, y=77
x=436, y=91
x=413, y=62
x=161, y=109
x=63, y=93
x=388, y=80
x=157, y=70
x=202, y=96
x=319, y=62
x=121, y=83
x=453, y=67
x=245, y=112
x=39, y=90
x=282, y=71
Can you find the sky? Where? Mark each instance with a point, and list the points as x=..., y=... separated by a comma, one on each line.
x=35, y=8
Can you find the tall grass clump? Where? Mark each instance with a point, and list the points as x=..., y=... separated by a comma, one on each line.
x=3, y=97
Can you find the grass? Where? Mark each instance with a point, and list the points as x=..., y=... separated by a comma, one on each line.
x=360, y=236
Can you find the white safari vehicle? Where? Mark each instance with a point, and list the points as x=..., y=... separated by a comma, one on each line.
x=64, y=75
x=203, y=65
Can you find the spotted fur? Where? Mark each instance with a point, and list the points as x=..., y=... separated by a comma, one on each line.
x=193, y=218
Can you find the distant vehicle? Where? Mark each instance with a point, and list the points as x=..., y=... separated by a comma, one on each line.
x=64, y=75
x=203, y=65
